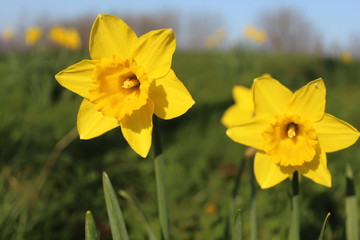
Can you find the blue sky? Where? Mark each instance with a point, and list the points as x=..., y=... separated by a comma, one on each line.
x=335, y=20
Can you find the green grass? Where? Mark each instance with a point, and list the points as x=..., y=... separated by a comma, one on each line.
x=200, y=160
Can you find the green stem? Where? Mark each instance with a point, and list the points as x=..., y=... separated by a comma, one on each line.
x=295, y=211
x=160, y=183
x=253, y=204
x=156, y=138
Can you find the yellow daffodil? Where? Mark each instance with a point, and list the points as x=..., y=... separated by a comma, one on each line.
x=127, y=80
x=254, y=34
x=292, y=132
x=242, y=110
x=345, y=57
x=68, y=38
x=32, y=35
x=211, y=42
x=8, y=34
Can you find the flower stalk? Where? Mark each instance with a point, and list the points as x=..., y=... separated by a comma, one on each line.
x=160, y=183
x=295, y=211
x=253, y=204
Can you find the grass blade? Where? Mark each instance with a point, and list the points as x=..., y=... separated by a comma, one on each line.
x=322, y=233
x=90, y=228
x=138, y=209
x=162, y=199
x=352, y=231
x=117, y=224
x=237, y=228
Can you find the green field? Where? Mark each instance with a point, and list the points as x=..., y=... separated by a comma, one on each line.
x=201, y=161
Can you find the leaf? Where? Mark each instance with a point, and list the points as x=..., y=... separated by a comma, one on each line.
x=352, y=231
x=138, y=209
x=322, y=233
x=117, y=224
x=238, y=225
x=90, y=228
x=162, y=198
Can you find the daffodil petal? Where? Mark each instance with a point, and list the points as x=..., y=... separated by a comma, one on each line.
x=137, y=129
x=154, y=52
x=317, y=169
x=335, y=134
x=270, y=96
x=249, y=133
x=267, y=173
x=243, y=96
x=110, y=36
x=309, y=101
x=170, y=96
x=78, y=77
x=236, y=115
x=91, y=123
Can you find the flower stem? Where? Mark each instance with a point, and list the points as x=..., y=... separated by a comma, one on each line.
x=295, y=211
x=156, y=137
x=253, y=204
x=160, y=183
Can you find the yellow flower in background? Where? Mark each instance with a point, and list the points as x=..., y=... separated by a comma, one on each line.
x=254, y=34
x=211, y=42
x=68, y=38
x=346, y=57
x=127, y=80
x=292, y=132
x=32, y=35
x=8, y=34
x=73, y=39
x=220, y=34
x=260, y=37
x=214, y=40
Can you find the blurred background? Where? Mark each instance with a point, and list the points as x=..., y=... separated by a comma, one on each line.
x=298, y=26
x=49, y=178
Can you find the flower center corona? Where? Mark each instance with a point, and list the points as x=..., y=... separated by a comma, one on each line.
x=119, y=87
x=290, y=140
x=131, y=82
x=291, y=129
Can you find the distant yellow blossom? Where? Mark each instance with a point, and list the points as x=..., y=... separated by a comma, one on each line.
x=292, y=132
x=254, y=34
x=220, y=34
x=68, y=38
x=211, y=42
x=127, y=80
x=32, y=35
x=345, y=57
x=214, y=40
x=8, y=34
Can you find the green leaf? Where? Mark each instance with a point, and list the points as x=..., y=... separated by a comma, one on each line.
x=238, y=225
x=162, y=198
x=117, y=224
x=90, y=228
x=322, y=233
x=138, y=209
x=351, y=207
